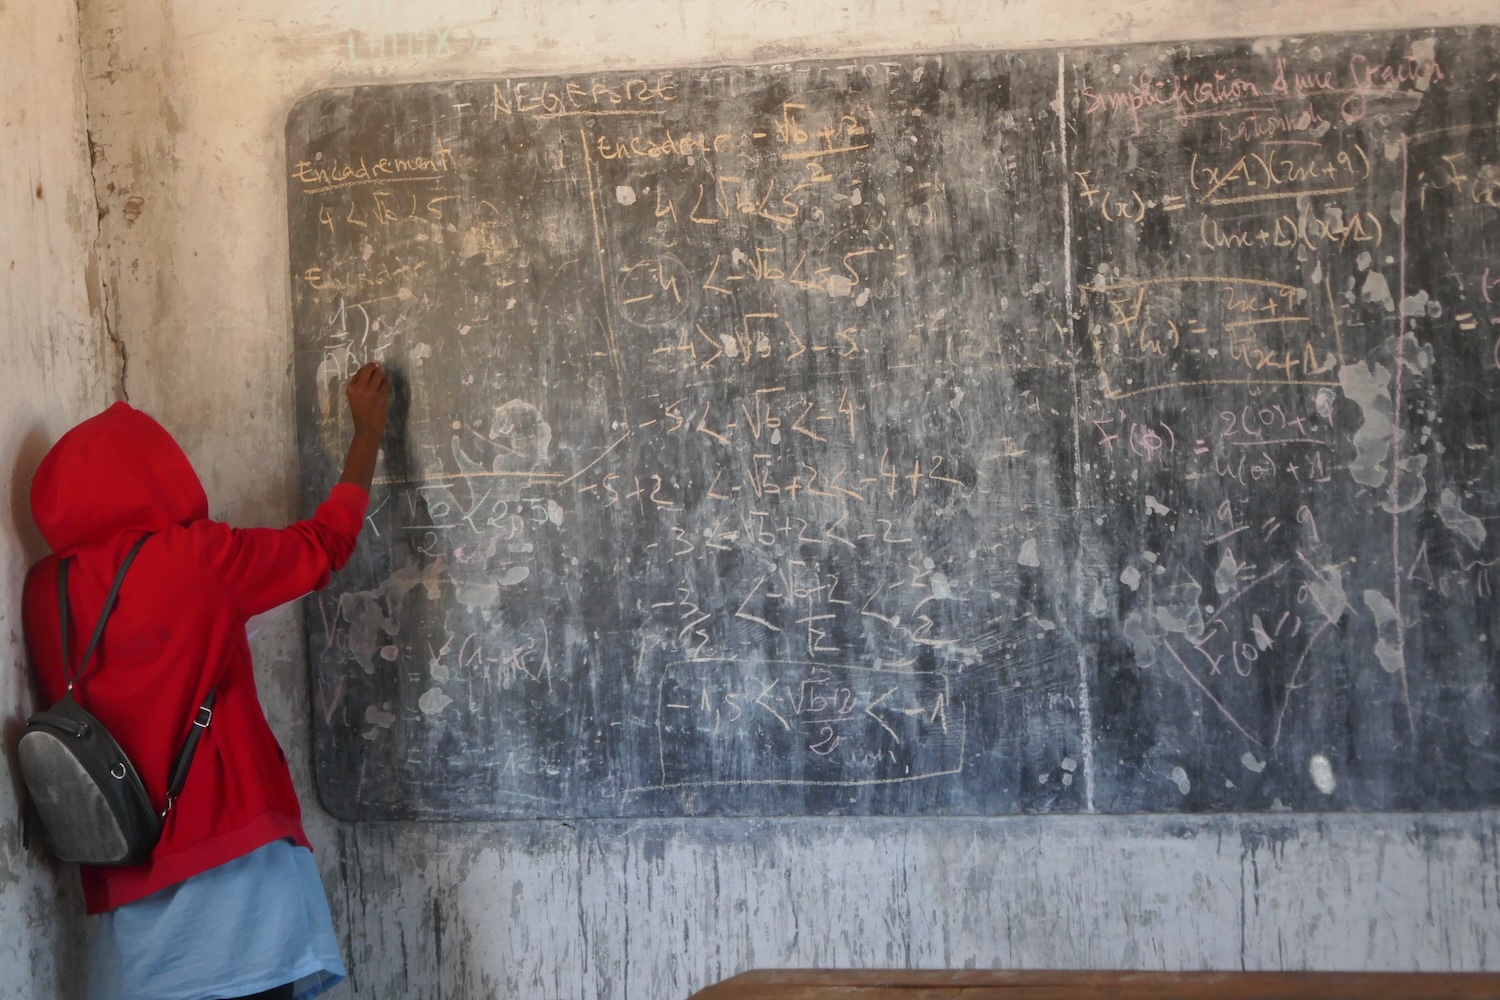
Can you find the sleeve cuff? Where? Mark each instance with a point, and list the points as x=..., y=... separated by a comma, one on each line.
x=350, y=497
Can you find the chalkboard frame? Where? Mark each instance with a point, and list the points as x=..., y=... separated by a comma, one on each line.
x=1107, y=698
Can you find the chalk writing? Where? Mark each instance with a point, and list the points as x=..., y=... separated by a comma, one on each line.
x=956, y=434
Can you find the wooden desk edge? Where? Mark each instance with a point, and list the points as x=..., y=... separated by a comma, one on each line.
x=989, y=984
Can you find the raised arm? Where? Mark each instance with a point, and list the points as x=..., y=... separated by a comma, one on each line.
x=369, y=394
x=262, y=567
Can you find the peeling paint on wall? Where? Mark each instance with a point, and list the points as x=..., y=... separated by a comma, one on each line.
x=55, y=369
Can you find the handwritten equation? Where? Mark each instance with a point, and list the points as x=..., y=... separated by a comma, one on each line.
x=1102, y=430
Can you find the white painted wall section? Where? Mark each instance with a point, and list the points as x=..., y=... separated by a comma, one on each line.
x=56, y=367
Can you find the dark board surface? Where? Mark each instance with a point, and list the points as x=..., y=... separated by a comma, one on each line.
x=936, y=435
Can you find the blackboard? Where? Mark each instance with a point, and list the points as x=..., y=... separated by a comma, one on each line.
x=1100, y=430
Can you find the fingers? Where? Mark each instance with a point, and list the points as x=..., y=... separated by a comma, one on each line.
x=370, y=376
x=368, y=373
x=369, y=393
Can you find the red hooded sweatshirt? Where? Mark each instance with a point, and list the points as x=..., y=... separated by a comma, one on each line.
x=177, y=631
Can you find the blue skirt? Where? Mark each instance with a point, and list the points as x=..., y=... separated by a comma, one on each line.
x=251, y=924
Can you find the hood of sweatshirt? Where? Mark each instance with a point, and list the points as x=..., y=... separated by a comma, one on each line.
x=116, y=472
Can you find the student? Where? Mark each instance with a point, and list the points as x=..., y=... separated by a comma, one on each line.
x=230, y=904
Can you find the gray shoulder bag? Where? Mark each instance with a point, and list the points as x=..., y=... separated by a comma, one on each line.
x=86, y=793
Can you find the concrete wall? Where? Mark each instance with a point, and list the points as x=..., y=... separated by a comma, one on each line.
x=187, y=100
x=56, y=367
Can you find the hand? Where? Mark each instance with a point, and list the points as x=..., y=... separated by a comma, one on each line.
x=369, y=394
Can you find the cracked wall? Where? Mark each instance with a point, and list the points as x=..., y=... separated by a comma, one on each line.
x=55, y=369
x=186, y=104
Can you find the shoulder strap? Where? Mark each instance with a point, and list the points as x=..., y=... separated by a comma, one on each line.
x=184, y=759
x=205, y=713
x=109, y=605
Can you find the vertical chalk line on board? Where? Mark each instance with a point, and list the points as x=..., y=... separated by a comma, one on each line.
x=609, y=323
x=1085, y=705
x=1396, y=433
